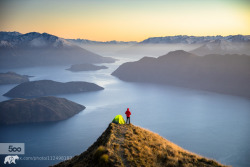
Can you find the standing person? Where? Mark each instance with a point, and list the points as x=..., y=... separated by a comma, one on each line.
x=128, y=113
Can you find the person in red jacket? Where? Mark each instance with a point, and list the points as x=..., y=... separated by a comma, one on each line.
x=128, y=113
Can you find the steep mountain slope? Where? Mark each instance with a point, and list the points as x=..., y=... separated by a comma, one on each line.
x=129, y=145
x=228, y=74
x=43, y=109
x=33, y=49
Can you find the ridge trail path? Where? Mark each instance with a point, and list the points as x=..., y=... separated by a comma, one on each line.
x=120, y=136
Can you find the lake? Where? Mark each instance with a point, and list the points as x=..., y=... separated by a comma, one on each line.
x=206, y=123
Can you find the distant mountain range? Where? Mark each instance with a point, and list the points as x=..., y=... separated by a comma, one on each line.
x=195, y=39
x=35, y=49
x=34, y=39
x=184, y=39
x=222, y=46
x=232, y=44
x=86, y=41
x=200, y=45
x=31, y=40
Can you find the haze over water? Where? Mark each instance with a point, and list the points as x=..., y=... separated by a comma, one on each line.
x=209, y=124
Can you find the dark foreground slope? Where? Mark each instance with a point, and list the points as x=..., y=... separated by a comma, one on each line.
x=43, y=109
x=228, y=74
x=129, y=145
x=49, y=87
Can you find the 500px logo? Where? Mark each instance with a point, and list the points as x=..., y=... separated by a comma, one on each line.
x=12, y=148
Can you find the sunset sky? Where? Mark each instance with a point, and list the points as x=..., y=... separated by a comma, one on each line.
x=126, y=20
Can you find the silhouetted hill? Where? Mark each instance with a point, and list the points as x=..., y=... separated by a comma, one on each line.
x=228, y=74
x=129, y=145
x=85, y=67
x=12, y=78
x=48, y=87
x=43, y=109
x=35, y=49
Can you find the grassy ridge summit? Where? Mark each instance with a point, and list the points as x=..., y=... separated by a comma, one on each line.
x=129, y=145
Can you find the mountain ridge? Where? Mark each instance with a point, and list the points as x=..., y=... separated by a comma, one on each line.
x=36, y=49
x=187, y=39
x=129, y=145
x=194, y=39
x=31, y=39
x=222, y=46
x=86, y=41
x=227, y=74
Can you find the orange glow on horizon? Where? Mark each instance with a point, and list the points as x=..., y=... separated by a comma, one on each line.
x=126, y=21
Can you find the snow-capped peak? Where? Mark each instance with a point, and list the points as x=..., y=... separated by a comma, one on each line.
x=32, y=39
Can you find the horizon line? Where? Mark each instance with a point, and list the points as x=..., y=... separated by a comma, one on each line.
x=127, y=41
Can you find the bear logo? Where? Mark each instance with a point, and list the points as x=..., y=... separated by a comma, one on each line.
x=11, y=159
